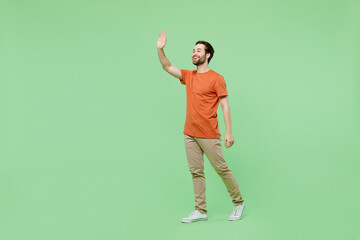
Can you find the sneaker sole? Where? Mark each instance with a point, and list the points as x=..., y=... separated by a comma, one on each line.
x=196, y=220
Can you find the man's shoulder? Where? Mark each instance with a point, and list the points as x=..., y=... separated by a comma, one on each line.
x=218, y=75
x=187, y=72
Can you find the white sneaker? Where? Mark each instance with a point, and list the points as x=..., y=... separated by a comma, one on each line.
x=194, y=217
x=237, y=212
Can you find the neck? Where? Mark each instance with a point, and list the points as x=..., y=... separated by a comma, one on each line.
x=202, y=68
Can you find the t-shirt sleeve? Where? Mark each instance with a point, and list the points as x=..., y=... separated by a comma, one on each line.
x=185, y=75
x=220, y=87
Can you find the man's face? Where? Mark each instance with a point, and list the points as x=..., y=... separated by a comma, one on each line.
x=198, y=56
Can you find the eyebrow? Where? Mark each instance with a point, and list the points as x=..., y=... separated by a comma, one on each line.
x=198, y=48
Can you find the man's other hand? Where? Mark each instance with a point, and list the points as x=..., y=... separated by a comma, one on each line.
x=229, y=140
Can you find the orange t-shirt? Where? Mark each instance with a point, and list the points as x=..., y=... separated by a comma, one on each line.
x=202, y=97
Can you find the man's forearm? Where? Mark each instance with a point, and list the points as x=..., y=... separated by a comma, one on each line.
x=163, y=59
x=227, y=119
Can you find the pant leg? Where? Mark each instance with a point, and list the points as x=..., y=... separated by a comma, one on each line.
x=213, y=150
x=195, y=158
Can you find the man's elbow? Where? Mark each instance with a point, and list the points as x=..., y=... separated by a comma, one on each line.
x=225, y=108
x=166, y=67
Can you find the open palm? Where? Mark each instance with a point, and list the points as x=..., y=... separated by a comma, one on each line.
x=161, y=40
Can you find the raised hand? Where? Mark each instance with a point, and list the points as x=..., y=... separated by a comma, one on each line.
x=161, y=40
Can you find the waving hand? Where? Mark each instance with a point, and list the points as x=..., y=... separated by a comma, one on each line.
x=161, y=40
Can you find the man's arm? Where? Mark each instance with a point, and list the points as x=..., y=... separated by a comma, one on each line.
x=224, y=102
x=163, y=59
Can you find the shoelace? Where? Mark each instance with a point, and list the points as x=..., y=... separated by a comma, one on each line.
x=191, y=214
x=236, y=211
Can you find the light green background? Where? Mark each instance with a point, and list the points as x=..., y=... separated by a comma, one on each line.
x=91, y=126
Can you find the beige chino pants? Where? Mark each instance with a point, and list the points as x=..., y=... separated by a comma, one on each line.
x=195, y=148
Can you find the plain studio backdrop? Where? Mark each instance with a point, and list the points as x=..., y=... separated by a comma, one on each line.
x=91, y=126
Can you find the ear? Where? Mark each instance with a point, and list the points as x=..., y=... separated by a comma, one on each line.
x=207, y=56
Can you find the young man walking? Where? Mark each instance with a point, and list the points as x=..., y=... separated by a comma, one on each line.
x=205, y=89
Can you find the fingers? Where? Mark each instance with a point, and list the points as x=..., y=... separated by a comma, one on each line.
x=228, y=143
x=162, y=35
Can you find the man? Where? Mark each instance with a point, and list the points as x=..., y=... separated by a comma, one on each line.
x=205, y=89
